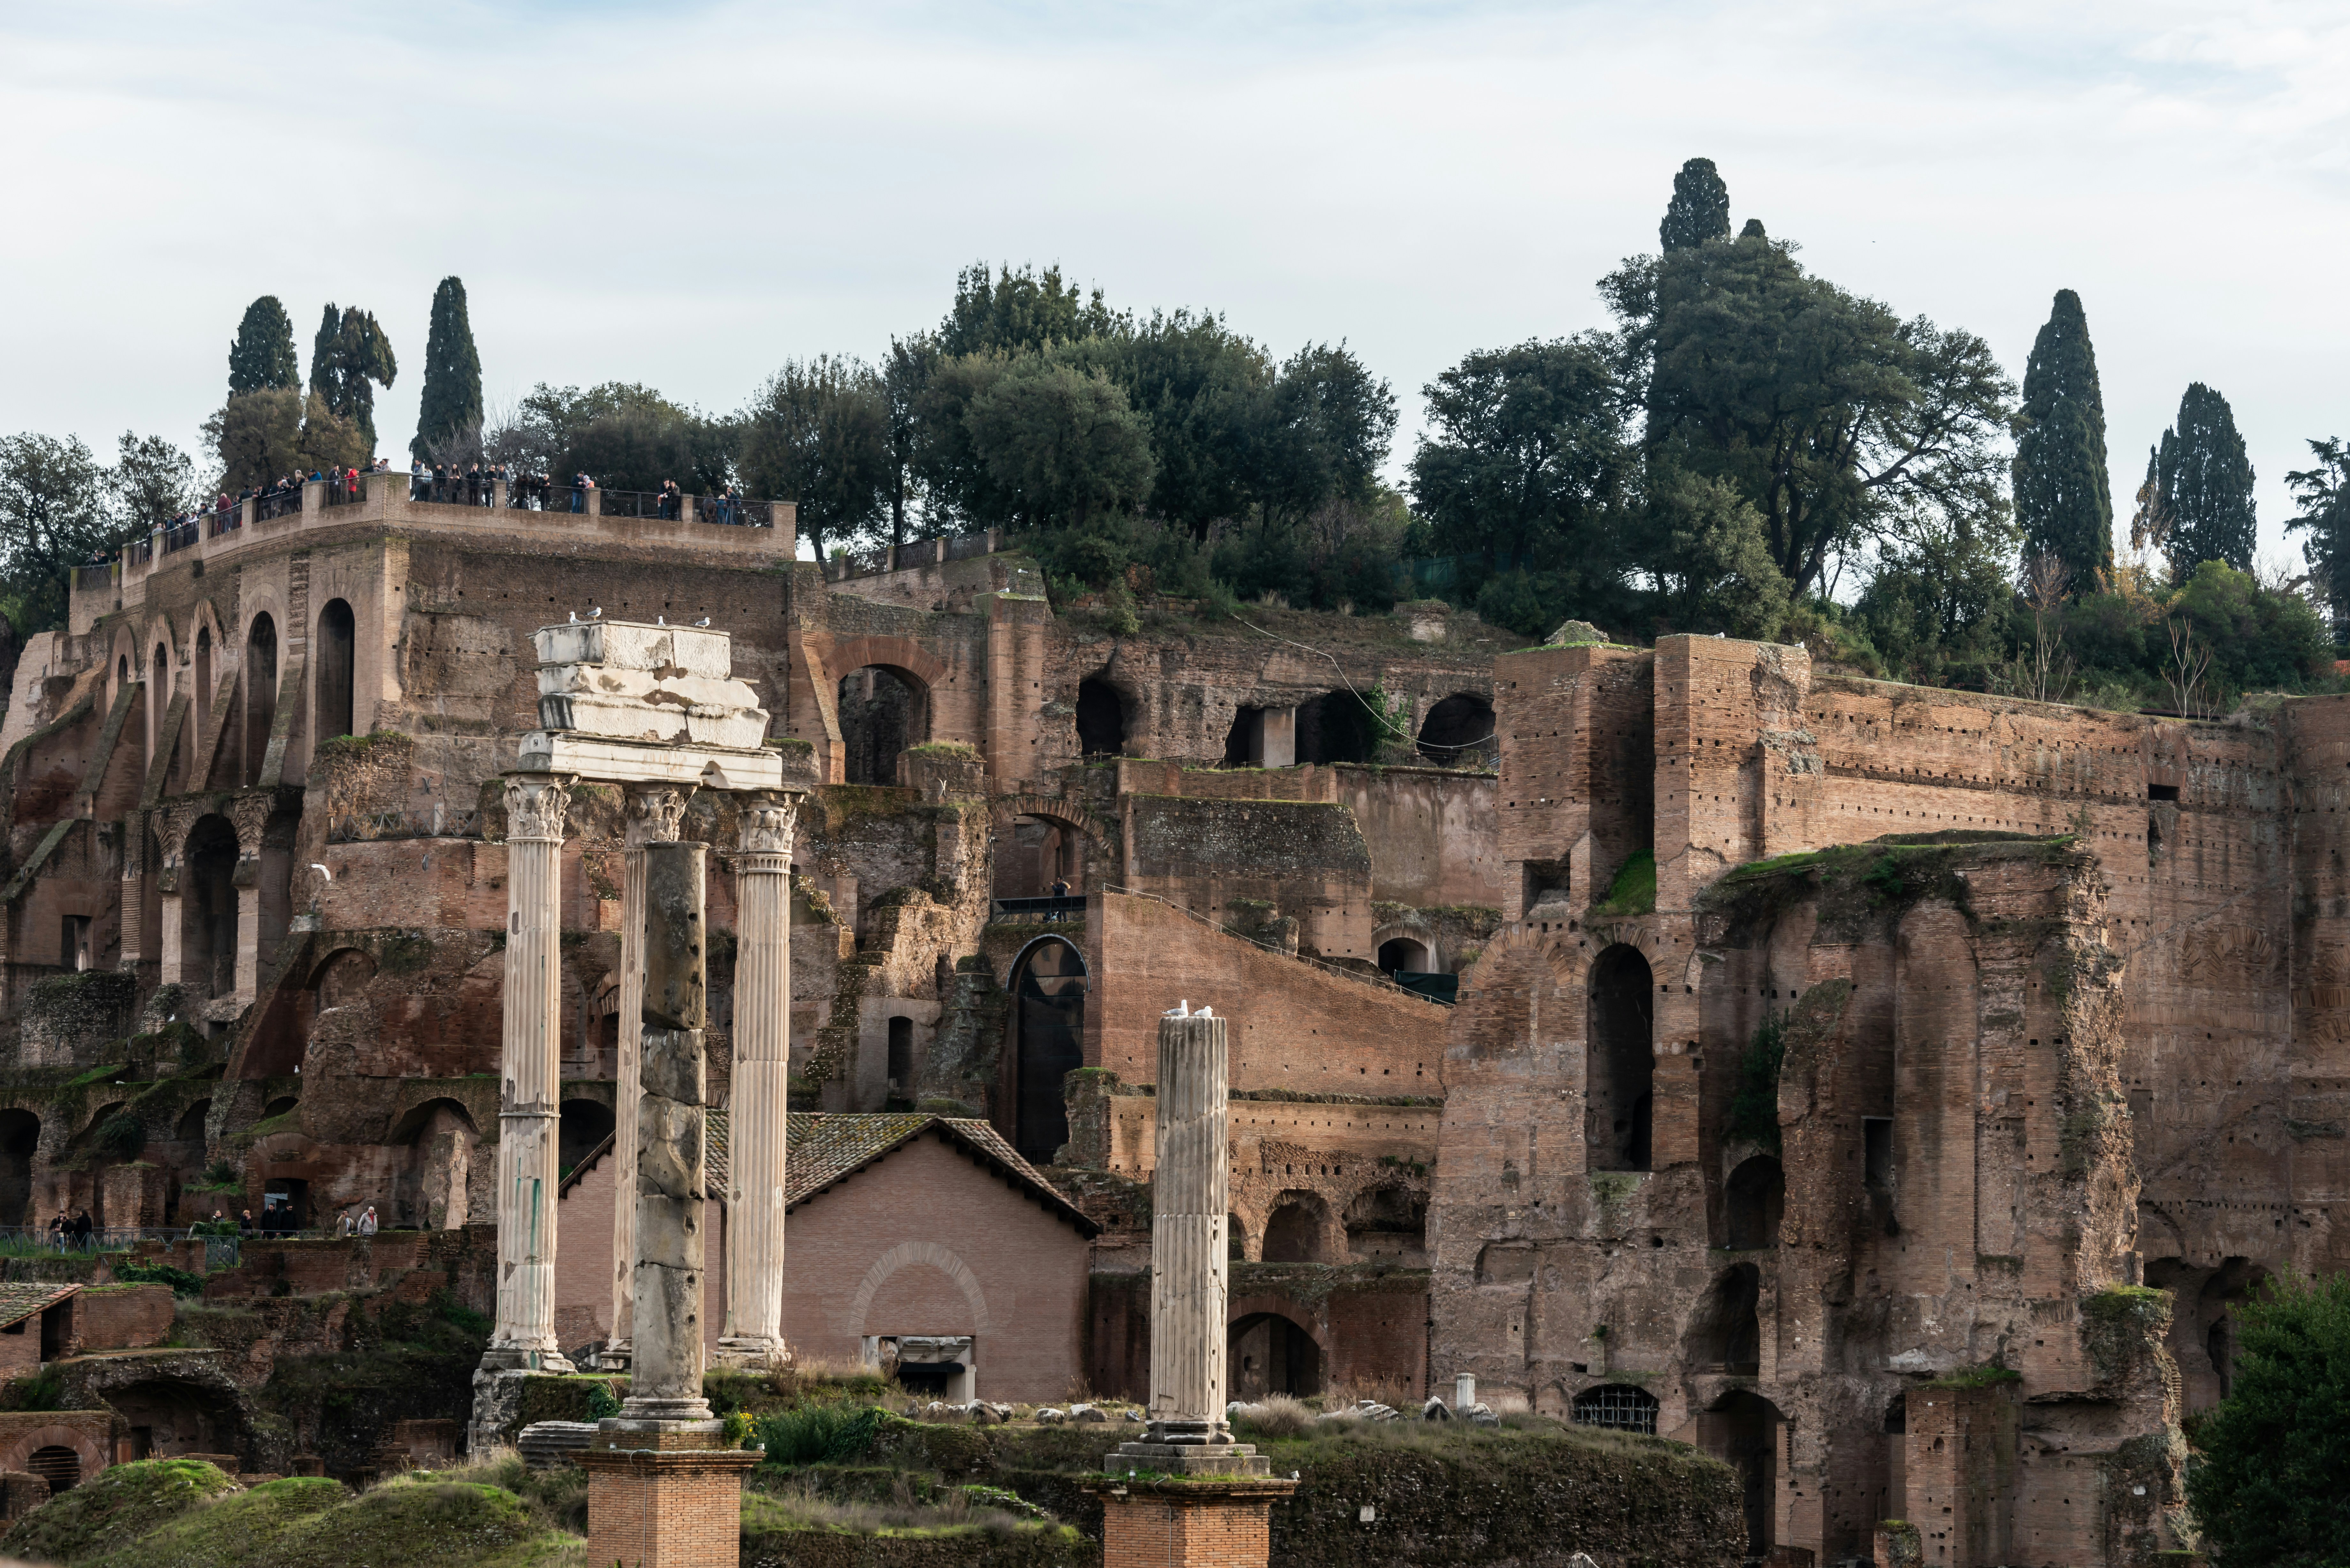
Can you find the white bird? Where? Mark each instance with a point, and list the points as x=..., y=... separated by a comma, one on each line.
x=661, y=621
x=574, y=617
x=1181, y=1010
x=704, y=621
x=1205, y=1013
x=322, y=871
x=596, y=614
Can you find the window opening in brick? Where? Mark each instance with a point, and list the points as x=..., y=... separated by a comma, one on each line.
x=1050, y=996
x=20, y=1135
x=586, y=1124
x=1755, y=1196
x=1101, y=717
x=337, y=648
x=1458, y=732
x=901, y=1058
x=2161, y=791
x=1619, y=1061
x=57, y=1465
x=1265, y=1352
x=260, y=693
x=1616, y=1405
x=883, y=711
x=1742, y=1431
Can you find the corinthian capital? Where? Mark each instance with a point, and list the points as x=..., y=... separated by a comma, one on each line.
x=768, y=821
x=536, y=804
x=655, y=813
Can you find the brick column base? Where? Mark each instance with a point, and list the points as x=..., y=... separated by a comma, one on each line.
x=1218, y=1522
x=666, y=1508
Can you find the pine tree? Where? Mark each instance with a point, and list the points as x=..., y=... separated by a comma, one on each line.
x=1700, y=209
x=453, y=372
x=2203, y=477
x=262, y=354
x=349, y=352
x=2063, y=501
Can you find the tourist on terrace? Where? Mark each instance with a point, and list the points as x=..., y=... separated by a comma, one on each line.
x=420, y=486
x=58, y=1233
x=81, y=1230
x=367, y=1222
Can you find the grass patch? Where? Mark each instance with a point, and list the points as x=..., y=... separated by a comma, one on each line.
x=1634, y=891
x=113, y=1510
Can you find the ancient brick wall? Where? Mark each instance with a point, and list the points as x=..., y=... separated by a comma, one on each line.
x=1248, y=863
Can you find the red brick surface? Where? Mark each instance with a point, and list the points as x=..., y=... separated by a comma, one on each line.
x=672, y=1509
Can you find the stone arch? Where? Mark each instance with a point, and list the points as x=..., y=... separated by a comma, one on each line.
x=1023, y=874
x=919, y=1254
x=263, y=660
x=1298, y=1230
x=1103, y=721
x=1459, y=731
x=1049, y=980
x=333, y=668
x=208, y=922
x=1619, y=1061
x=1755, y=1199
x=1402, y=935
x=851, y=654
x=1271, y=1347
x=339, y=974
x=1004, y=809
x=85, y=1445
x=1742, y=1431
x=442, y=1142
x=205, y=643
x=1725, y=1332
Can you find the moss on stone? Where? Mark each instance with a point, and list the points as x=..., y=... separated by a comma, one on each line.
x=114, y=1509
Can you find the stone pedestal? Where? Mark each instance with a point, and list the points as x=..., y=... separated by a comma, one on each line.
x=1190, y=1202
x=754, y=1333
x=665, y=1507
x=1188, y=1524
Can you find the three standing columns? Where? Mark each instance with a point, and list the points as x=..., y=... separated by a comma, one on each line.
x=654, y=814
x=757, y=1130
x=530, y=1107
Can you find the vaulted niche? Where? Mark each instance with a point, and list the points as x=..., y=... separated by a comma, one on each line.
x=1620, y=1063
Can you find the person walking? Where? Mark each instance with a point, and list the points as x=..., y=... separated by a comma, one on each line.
x=367, y=1222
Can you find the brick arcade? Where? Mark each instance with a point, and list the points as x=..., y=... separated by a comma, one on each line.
x=1905, y=1148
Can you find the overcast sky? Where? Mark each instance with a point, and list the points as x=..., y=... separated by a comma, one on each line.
x=687, y=195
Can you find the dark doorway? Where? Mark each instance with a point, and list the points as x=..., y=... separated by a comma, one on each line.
x=336, y=651
x=260, y=693
x=928, y=1379
x=1101, y=717
x=1619, y=1063
x=1409, y=955
x=1459, y=734
x=586, y=1124
x=1265, y=1352
x=901, y=1057
x=286, y=1206
x=57, y=1465
x=156, y=700
x=200, y=700
x=1725, y=1333
x=882, y=711
x=1049, y=994
x=1296, y=1234
x=20, y=1135
x=208, y=931
x=1755, y=1196
x=1742, y=1431
x=1244, y=742
x=1336, y=727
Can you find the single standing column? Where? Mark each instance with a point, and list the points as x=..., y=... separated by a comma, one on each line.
x=1189, y=1200
x=654, y=814
x=763, y=1040
x=529, y=1114
x=251, y=815
x=134, y=888
x=665, y=1376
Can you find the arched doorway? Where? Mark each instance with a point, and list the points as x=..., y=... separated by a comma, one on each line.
x=1338, y=727
x=1725, y=1333
x=1754, y=1198
x=208, y=917
x=902, y=1059
x=1101, y=717
x=157, y=682
x=1742, y=1431
x=1298, y=1230
x=883, y=709
x=1031, y=853
x=1049, y=1012
x=260, y=693
x=20, y=1135
x=334, y=659
x=1619, y=1061
x=1458, y=732
x=57, y=1465
x=201, y=701
x=1407, y=955
x=586, y=1124
x=1265, y=1352
x=441, y=1141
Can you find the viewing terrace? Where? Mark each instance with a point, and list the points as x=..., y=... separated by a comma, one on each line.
x=761, y=531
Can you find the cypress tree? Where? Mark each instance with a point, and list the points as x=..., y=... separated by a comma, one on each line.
x=2204, y=478
x=349, y=352
x=453, y=372
x=2063, y=500
x=262, y=354
x=1700, y=209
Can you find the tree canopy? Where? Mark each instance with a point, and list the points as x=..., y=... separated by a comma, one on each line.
x=2268, y=1489
x=452, y=402
x=349, y=360
x=2324, y=492
x=2063, y=501
x=1700, y=209
x=819, y=435
x=2202, y=479
x=262, y=354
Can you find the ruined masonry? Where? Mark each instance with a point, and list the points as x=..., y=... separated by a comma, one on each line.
x=1888, y=1090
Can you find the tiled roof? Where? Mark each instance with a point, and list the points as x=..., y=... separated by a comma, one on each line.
x=824, y=1147
x=21, y=1299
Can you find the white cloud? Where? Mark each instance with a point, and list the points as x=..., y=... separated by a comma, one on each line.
x=687, y=196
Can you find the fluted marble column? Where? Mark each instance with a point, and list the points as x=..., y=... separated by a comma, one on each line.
x=762, y=1042
x=654, y=814
x=665, y=1369
x=1189, y=1198
x=251, y=815
x=530, y=1110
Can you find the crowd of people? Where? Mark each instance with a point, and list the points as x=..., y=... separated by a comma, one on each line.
x=71, y=1233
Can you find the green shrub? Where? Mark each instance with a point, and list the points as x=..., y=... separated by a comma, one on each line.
x=2268, y=1489
x=122, y=1136
x=182, y=1282
x=1754, y=1107
x=818, y=1434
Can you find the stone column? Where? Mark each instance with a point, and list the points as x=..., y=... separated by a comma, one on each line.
x=1189, y=1200
x=530, y=1111
x=654, y=814
x=133, y=892
x=171, y=826
x=762, y=1042
x=665, y=1373
x=251, y=815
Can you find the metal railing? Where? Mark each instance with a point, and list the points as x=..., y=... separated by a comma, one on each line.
x=912, y=552
x=90, y=580
x=138, y=552
x=635, y=504
x=225, y=520
x=179, y=536
x=342, y=491
x=1066, y=907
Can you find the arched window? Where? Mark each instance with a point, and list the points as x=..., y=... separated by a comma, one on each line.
x=208, y=907
x=1265, y=1352
x=901, y=1056
x=1755, y=1196
x=1101, y=717
x=156, y=697
x=1049, y=997
x=1619, y=1061
x=57, y=1465
x=883, y=709
x=1742, y=1431
x=1458, y=732
x=1616, y=1405
x=337, y=648
x=260, y=693
x=1725, y=1333
x=1296, y=1231
x=1407, y=954
x=201, y=701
